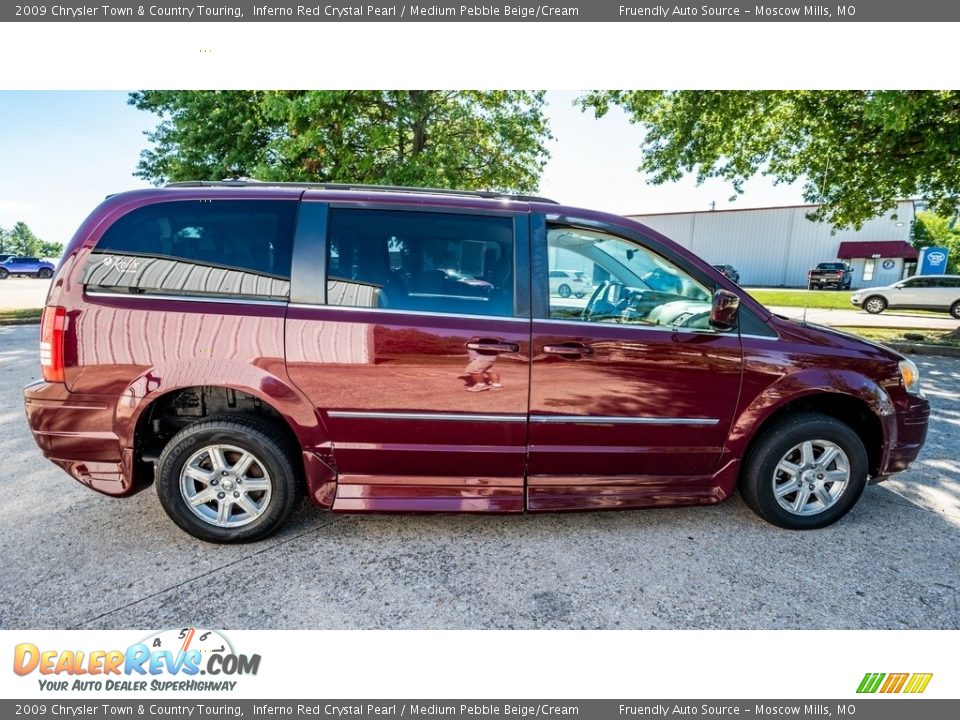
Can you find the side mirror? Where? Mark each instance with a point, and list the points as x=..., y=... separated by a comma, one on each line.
x=899, y=286
x=723, y=311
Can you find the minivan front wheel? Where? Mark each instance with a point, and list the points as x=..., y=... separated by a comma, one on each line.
x=228, y=479
x=805, y=472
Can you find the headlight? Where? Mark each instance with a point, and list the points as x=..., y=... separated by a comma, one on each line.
x=910, y=376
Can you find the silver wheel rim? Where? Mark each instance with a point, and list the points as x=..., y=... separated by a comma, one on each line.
x=811, y=477
x=874, y=305
x=225, y=486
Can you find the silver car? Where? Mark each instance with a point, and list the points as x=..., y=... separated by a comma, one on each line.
x=569, y=282
x=921, y=292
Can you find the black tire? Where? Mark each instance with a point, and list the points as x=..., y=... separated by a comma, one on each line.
x=955, y=309
x=564, y=291
x=757, y=480
x=272, y=450
x=45, y=273
x=579, y=295
x=874, y=304
x=4, y=274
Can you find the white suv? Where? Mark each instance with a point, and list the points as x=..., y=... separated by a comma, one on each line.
x=569, y=282
x=921, y=292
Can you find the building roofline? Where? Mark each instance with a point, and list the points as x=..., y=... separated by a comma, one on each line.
x=733, y=210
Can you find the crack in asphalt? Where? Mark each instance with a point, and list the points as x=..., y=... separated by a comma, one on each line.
x=210, y=572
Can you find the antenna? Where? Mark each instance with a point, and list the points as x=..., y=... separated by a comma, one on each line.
x=823, y=190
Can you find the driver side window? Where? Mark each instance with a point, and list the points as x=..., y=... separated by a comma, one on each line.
x=596, y=277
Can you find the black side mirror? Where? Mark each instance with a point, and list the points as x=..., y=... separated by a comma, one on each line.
x=723, y=311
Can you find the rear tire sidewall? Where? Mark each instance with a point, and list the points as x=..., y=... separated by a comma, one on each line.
x=874, y=304
x=756, y=484
x=269, y=448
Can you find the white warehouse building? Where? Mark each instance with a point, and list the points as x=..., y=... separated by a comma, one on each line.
x=776, y=246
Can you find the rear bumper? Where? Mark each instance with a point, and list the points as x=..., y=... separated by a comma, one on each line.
x=76, y=432
x=909, y=432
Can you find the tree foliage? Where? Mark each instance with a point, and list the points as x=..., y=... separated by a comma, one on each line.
x=857, y=152
x=932, y=229
x=465, y=138
x=21, y=240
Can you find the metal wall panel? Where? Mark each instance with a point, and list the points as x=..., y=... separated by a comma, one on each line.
x=771, y=246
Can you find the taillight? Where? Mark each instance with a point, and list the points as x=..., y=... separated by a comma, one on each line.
x=52, y=326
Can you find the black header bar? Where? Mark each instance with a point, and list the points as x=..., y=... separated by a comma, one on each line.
x=481, y=11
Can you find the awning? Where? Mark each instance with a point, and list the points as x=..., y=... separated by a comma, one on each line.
x=883, y=248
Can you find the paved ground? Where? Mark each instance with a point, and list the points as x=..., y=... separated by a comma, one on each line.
x=74, y=559
x=17, y=293
x=861, y=318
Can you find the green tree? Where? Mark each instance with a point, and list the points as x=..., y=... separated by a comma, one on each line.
x=932, y=229
x=856, y=151
x=22, y=241
x=463, y=138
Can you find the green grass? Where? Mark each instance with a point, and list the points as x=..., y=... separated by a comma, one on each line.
x=895, y=335
x=20, y=315
x=820, y=299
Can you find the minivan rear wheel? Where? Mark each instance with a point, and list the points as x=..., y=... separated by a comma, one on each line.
x=875, y=305
x=228, y=479
x=805, y=472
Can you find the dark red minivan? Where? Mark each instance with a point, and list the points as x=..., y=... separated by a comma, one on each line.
x=395, y=349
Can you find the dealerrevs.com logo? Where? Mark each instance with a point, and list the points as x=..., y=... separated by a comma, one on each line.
x=170, y=660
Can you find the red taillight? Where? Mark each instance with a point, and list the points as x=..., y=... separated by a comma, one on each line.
x=52, y=325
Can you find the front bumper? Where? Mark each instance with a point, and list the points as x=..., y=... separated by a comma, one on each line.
x=76, y=432
x=856, y=300
x=906, y=434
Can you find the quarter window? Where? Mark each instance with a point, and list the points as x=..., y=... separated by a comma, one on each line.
x=198, y=247
x=431, y=262
x=623, y=283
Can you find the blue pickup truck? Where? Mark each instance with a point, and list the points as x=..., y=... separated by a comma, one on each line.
x=14, y=265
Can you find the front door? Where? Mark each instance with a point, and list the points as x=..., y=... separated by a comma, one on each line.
x=419, y=359
x=632, y=392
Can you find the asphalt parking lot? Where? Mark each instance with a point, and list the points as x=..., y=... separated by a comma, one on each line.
x=75, y=559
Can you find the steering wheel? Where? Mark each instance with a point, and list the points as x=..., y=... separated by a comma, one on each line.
x=597, y=298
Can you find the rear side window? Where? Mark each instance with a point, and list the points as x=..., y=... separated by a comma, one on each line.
x=411, y=260
x=235, y=248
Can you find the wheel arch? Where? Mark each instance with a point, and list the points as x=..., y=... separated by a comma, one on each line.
x=144, y=423
x=869, y=413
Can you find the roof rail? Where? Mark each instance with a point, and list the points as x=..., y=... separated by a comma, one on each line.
x=247, y=182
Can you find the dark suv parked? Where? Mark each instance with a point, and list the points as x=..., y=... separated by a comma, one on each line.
x=390, y=349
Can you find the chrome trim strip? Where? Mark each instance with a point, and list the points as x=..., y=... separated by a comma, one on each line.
x=419, y=313
x=609, y=420
x=634, y=326
x=454, y=417
x=183, y=298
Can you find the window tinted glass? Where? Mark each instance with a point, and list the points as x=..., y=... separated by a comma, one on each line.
x=920, y=282
x=631, y=284
x=218, y=247
x=436, y=262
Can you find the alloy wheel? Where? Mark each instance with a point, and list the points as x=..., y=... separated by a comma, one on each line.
x=811, y=477
x=225, y=486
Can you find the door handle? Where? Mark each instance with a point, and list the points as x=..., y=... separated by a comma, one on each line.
x=573, y=349
x=493, y=346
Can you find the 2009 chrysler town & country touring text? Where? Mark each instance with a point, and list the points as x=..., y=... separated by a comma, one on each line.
x=391, y=349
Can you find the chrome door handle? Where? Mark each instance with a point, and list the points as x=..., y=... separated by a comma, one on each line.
x=493, y=346
x=568, y=349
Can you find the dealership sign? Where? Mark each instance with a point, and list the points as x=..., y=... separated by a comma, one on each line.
x=933, y=260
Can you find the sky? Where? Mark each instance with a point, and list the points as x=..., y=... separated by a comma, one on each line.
x=61, y=153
